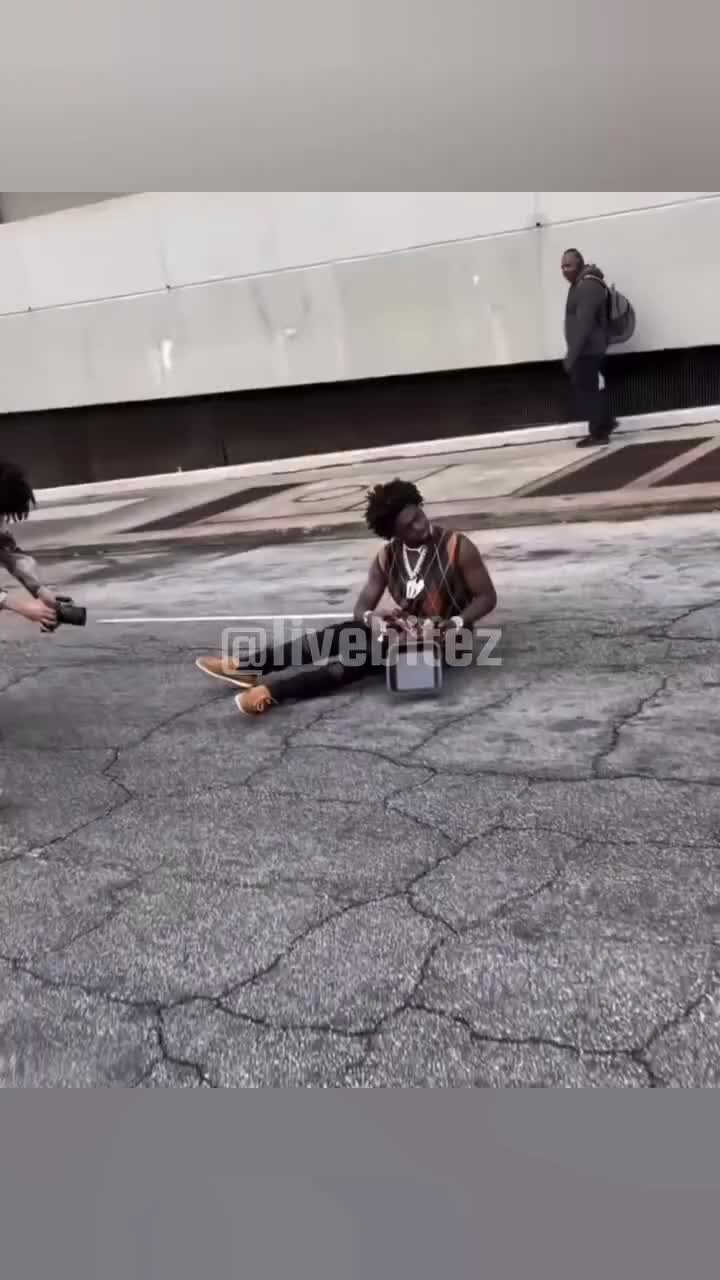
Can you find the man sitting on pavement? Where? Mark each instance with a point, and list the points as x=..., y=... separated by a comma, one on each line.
x=437, y=580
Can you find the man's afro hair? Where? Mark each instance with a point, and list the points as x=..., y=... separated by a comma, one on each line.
x=16, y=495
x=386, y=501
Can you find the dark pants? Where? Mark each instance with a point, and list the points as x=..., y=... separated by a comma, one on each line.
x=323, y=661
x=593, y=403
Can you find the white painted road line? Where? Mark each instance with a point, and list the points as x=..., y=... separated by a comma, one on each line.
x=231, y=617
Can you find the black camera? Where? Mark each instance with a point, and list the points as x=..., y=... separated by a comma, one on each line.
x=69, y=613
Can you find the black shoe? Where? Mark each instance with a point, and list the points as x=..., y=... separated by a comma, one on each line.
x=588, y=442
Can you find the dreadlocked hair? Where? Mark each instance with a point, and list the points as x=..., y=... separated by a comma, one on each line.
x=16, y=495
x=386, y=501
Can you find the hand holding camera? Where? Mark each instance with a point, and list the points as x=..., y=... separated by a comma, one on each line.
x=63, y=610
x=47, y=610
x=16, y=501
x=34, y=611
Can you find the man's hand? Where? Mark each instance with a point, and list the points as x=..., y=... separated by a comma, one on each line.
x=446, y=625
x=388, y=620
x=400, y=620
x=420, y=628
x=33, y=611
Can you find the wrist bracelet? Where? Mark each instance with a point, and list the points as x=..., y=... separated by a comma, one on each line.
x=368, y=617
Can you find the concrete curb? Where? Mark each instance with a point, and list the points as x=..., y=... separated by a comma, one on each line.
x=704, y=415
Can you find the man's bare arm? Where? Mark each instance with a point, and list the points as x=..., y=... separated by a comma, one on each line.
x=372, y=593
x=478, y=582
x=23, y=568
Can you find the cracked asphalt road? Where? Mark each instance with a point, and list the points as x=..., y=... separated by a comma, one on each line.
x=517, y=884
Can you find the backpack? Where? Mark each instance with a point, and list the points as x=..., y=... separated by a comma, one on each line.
x=620, y=316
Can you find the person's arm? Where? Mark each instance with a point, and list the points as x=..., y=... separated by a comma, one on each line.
x=23, y=568
x=372, y=593
x=32, y=610
x=366, y=606
x=591, y=295
x=478, y=582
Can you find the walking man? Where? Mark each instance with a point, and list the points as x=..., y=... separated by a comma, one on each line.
x=439, y=585
x=587, y=336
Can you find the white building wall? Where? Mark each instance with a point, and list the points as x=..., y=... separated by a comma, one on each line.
x=33, y=204
x=165, y=294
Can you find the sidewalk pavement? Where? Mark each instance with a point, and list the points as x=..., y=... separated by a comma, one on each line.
x=653, y=466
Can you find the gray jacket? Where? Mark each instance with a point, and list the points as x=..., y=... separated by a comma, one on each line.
x=586, y=316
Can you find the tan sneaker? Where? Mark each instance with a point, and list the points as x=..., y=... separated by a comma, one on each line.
x=228, y=670
x=256, y=701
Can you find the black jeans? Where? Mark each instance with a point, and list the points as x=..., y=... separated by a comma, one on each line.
x=593, y=403
x=322, y=661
